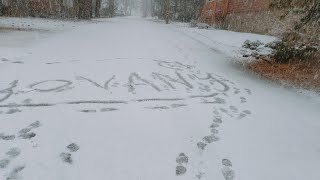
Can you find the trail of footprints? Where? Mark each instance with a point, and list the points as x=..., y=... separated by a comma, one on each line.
x=10, y=155
x=218, y=113
x=4, y=163
x=25, y=134
x=217, y=122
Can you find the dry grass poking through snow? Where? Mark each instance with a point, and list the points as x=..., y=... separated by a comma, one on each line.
x=293, y=74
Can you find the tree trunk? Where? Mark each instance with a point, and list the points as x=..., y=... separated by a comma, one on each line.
x=98, y=7
x=111, y=8
x=1, y=8
x=167, y=11
x=126, y=7
x=85, y=9
x=144, y=8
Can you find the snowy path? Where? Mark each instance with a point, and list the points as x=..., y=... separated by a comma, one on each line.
x=129, y=99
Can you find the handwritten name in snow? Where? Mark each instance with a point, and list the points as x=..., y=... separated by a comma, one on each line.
x=190, y=83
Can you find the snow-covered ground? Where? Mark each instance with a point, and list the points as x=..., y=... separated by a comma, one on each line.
x=227, y=42
x=130, y=99
x=21, y=32
x=37, y=23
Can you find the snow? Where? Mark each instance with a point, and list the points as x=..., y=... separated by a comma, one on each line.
x=135, y=94
x=19, y=33
x=227, y=42
x=38, y=23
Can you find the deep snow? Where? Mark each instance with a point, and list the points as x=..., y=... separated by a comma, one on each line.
x=130, y=99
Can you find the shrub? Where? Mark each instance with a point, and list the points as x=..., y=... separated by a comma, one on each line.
x=253, y=45
x=285, y=53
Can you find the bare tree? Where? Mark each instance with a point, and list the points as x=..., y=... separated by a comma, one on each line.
x=83, y=8
x=145, y=8
x=167, y=10
x=111, y=8
x=1, y=5
x=97, y=8
x=126, y=5
x=312, y=8
x=313, y=15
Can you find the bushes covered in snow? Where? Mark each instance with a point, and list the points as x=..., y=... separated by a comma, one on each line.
x=282, y=51
x=253, y=45
x=285, y=53
x=288, y=62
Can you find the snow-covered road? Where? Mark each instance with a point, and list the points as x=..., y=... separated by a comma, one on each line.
x=131, y=99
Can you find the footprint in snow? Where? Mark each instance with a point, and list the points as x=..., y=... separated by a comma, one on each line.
x=36, y=124
x=4, y=163
x=7, y=137
x=244, y=113
x=201, y=145
x=243, y=99
x=180, y=170
x=210, y=139
x=226, y=162
x=214, y=125
x=14, y=174
x=67, y=157
x=181, y=160
x=227, y=172
x=248, y=91
x=217, y=120
x=27, y=135
x=73, y=147
x=13, y=152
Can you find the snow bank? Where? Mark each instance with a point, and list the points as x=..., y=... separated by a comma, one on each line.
x=227, y=42
x=25, y=32
x=37, y=23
